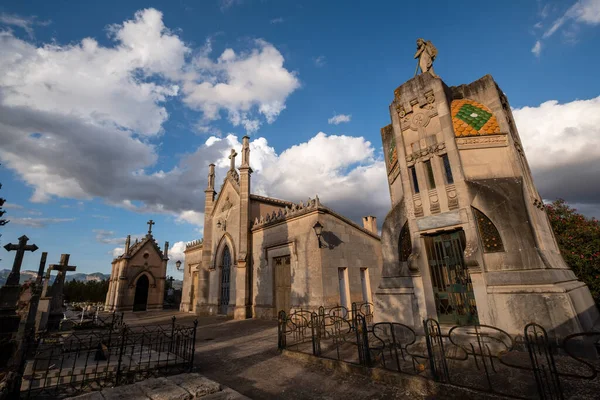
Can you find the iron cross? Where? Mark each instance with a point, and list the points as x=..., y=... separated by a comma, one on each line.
x=21, y=248
x=150, y=223
x=232, y=158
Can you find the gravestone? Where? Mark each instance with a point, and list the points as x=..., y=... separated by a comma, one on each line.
x=9, y=296
x=55, y=293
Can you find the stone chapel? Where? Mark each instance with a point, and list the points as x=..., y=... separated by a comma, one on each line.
x=468, y=240
x=260, y=255
x=137, y=279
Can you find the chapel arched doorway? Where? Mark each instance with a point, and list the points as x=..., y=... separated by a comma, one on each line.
x=225, y=281
x=140, y=300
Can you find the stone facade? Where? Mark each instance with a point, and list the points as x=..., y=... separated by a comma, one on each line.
x=260, y=255
x=467, y=239
x=137, y=280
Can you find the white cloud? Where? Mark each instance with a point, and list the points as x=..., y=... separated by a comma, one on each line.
x=582, y=12
x=81, y=120
x=227, y=4
x=320, y=61
x=108, y=237
x=243, y=85
x=39, y=222
x=562, y=144
x=117, y=251
x=191, y=217
x=278, y=20
x=537, y=48
x=12, y=206
x=339, y=118
x=176, y=252
x=318, y=166
x=25, y=23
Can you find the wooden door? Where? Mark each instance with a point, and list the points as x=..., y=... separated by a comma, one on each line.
x=193, y=291
x=283, y=283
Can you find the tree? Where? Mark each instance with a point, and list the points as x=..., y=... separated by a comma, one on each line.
x=578, y=238
x=92, y=291
x=2, y=212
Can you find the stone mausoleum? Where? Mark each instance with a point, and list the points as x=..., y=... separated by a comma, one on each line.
x=260, y=255
x=467, y=239
x=137, y=279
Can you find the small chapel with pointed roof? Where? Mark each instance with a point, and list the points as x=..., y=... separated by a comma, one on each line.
x=137, y=279
x=260, y=255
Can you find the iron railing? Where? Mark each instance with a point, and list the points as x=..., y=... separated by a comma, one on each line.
x=478, y=357
x=66, y=365
x=112, y=321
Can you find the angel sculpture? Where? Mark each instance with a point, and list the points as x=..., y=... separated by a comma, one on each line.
x=426, y=53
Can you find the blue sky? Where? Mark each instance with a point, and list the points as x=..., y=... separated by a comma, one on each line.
x=110, y=111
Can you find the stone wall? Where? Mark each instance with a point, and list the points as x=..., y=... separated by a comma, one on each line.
x=314, y=270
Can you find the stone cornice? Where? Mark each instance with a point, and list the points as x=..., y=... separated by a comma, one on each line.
x=270, y=200
x=301, y=210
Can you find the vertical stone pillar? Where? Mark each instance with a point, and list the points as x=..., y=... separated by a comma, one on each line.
x=202, y=291
x=242, y=284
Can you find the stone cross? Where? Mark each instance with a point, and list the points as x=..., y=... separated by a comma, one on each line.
x=150, y=223
x=9, y=293
x=21, y=248
x=232, y=158
x=56, y=292
x=35, y=298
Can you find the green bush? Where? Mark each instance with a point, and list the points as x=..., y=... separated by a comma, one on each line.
x=578, y=238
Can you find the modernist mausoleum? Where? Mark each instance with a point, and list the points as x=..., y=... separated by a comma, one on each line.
x=467, y=239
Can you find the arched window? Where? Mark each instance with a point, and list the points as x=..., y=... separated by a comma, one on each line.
x=404, y=243
x=490, y=237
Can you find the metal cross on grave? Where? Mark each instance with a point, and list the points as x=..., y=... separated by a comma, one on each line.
x=21, y=248
x=150, y=223
x=232, y=158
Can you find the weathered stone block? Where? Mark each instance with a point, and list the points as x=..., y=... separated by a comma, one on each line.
x=127, y=392
x=226, y=394
x=88, y=396
x=195, y=384
x=163, y=389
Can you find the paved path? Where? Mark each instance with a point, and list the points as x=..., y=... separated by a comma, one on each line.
x=243, y=355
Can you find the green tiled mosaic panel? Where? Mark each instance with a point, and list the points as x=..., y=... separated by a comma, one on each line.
x=474, y=116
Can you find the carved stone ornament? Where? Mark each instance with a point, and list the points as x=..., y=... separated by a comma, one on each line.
x=419, y=120
x=475, y=142
x=401, y=111
x=227, y=205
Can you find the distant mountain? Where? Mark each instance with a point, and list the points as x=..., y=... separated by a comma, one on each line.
x=94, y=276
x=31, y=275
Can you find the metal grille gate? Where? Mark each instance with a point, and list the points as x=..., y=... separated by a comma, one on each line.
x=452, y=287
x=225, y=279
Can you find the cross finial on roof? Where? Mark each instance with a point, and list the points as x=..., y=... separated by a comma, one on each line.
x=232, y=158
x=150, y=223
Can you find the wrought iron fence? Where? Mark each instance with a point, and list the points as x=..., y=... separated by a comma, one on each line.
x=66, y=365
x=478, y=357
x=112, y=321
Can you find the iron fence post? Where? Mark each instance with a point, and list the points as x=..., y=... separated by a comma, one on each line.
x=281, y=323
x=546, y=375
x=172, y=333
x=121, y=350
x=193, y=346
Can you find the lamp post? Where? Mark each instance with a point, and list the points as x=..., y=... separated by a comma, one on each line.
x=319, y=231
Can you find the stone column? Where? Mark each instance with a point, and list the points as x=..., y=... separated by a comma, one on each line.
x=202, y=291
x=242, y=287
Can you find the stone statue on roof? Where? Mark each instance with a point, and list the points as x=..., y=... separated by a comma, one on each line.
x=426, y=53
